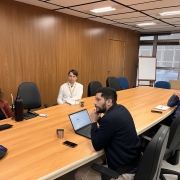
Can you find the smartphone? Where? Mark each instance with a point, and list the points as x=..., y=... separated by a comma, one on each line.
x=70, y=144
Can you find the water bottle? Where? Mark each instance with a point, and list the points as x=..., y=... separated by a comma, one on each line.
x=18, y=109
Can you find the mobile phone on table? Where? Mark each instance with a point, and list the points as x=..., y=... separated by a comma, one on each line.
x=70, y=144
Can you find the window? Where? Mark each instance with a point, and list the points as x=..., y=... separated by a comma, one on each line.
x=166, y=75
x=168, y=63
x=147, y=38
x=145, y=50
x=168, y=56
x=171, y=36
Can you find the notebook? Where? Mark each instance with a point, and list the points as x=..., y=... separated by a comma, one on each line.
x=81, y=123
x=161, y=107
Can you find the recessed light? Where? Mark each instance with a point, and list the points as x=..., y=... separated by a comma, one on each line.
x=146, y=24
x=103, y=9
x=169, y=13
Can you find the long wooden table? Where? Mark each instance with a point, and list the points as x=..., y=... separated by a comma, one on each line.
x=35, y=152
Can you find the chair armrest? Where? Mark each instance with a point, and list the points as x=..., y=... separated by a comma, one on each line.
x=146, y=137
x=122, y=88
x=105, y=170
x=144, y=142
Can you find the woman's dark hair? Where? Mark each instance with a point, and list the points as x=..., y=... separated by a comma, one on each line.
x=108, y=93
x=73, y=71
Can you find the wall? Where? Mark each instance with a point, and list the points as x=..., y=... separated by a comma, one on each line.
x=41, y=46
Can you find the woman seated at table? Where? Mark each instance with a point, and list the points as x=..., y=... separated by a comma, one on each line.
x=5, y=110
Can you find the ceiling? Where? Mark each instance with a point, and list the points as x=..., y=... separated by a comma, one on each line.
x=128, y=13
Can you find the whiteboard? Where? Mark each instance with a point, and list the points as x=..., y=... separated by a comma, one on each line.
x=147, y=69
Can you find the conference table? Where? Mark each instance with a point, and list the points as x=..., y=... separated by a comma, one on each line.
x=35, y=152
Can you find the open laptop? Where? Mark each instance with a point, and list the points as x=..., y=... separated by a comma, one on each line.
x=81, y=123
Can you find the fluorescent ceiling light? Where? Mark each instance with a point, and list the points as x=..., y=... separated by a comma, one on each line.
x=146, y=24
x=103, y=9
x=169, y=13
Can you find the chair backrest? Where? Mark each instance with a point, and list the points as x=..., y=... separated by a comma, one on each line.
x=150, y=164
x=173, y=141
x=163, y=84
x=124, y=84
x=175, y=84
x=92, y=87
x=29, y=93
x=113, y=83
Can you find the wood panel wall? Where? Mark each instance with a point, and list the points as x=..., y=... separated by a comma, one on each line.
x=41, y=46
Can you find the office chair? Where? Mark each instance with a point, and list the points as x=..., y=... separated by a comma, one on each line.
x=172, y=153
x=92, y=87
x=150, y=163
x=113, y=83
x=163, y=84
x=124, y=84
x=29, y=93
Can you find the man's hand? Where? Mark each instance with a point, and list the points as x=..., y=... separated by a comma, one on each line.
x=177, y=94
x=94, y=116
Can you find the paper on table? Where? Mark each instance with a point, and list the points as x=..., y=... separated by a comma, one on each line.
x=161, y=107
x=72, y=102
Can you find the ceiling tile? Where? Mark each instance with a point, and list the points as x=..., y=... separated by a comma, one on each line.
x=122, y=25
x=155, y=12
x=131, y=2
x=39, y=3
x=156, y=27
x=176, y=23
x=170, y=17
x=134, y=20
x=125, y=16
x=74, y=13
x=161, y=29
x=71, y=2
x=101, y=20
x=87, y=8
x=128, y=27
x=157, y=4
x=171, y=20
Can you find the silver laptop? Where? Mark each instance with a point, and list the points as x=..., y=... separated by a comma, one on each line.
x=81, y=123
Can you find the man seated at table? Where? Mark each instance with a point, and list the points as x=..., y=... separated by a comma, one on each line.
x=5, y=110
x=173, y=101
x=116, y=134
x=70, y=90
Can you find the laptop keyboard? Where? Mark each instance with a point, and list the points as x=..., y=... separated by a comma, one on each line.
x=85, y=131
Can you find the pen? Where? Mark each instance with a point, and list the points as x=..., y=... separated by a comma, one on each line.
x=43, y=115
x=154, y=111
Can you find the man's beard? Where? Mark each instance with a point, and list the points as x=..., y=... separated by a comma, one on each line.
x=101, y=109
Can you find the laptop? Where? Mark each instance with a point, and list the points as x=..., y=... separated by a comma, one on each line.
x=81, y=123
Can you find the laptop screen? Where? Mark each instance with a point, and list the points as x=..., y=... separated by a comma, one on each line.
x=80, y=119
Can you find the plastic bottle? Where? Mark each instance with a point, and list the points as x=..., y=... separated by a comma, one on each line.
x=18, y=109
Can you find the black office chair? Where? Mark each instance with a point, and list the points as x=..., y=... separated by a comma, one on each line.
x=163, y=84
x=113, y=83
x=124, y=84
x=150, y=164
x=29, y=93
x=172, y=153
x=92, y=87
